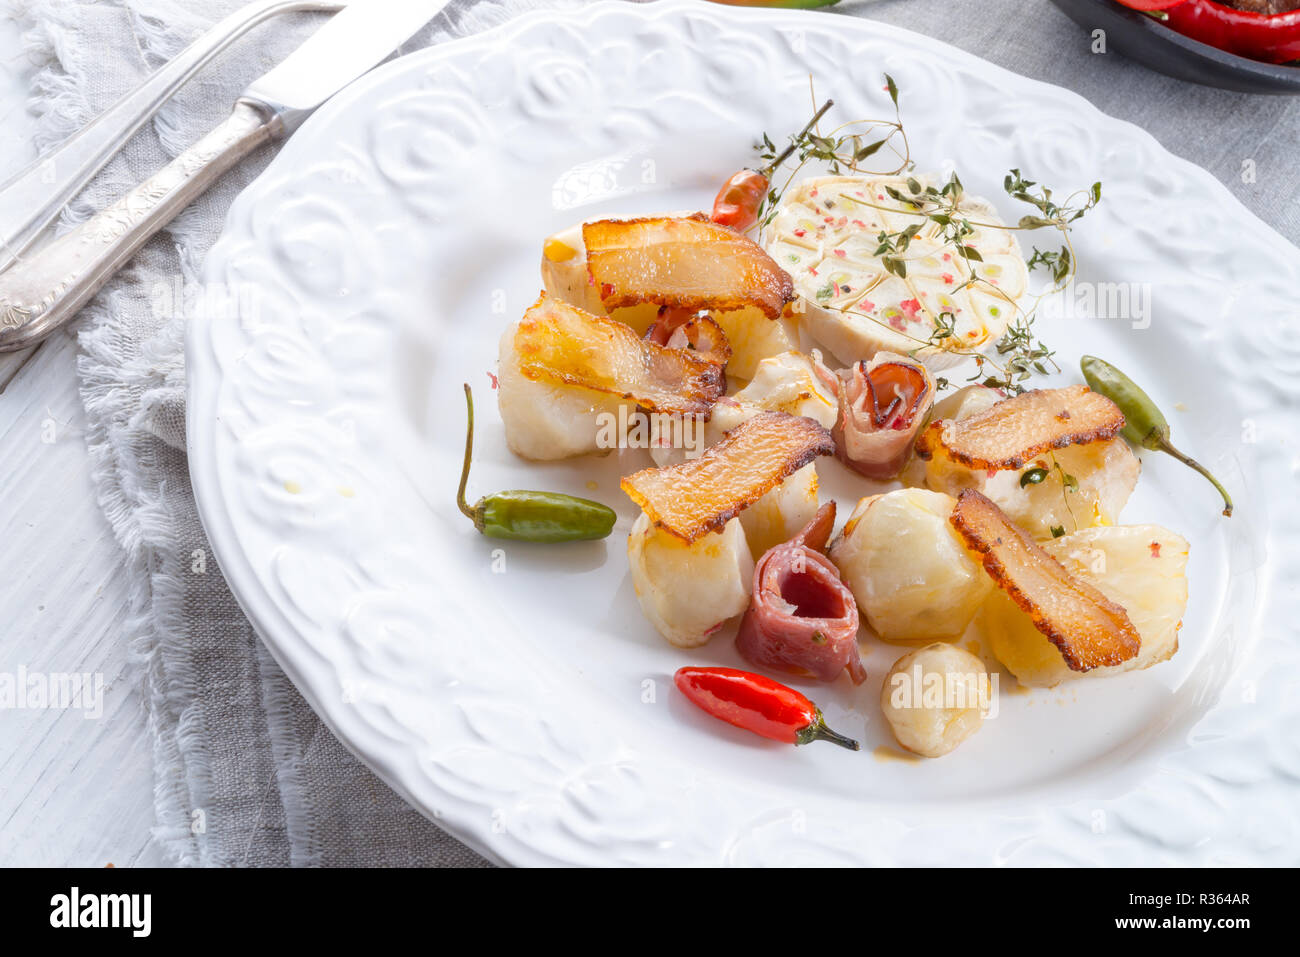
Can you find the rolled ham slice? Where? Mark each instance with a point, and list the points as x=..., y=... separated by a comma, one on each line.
x=802, y=618
x=883, y=404
x=693, y=330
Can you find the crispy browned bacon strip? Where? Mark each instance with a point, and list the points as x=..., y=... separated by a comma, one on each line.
x=1010, y=433
x=701, y=495
x=683, y=262
x=1088, y=628
x=561, y=343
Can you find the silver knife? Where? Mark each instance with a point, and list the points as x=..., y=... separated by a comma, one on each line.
x=43, y=290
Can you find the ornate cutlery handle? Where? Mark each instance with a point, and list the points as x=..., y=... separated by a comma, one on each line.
x=35, y=196
x=42, y=291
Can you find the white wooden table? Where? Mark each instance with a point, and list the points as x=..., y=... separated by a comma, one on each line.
x=73, y=790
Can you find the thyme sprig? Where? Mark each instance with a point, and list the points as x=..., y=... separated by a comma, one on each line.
x=1069, y=484
x=843, y=148
x=942, y=206
x=1019, y=354
x=1060, y=262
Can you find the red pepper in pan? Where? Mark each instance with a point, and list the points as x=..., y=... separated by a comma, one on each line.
x=1146, y=6
x=741, y=197
x=1273, y=38
x=758, y=704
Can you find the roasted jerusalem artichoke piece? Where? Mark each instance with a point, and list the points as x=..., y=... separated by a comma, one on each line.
x=691, y=564
x=630, y=269
x=1141, y=567
x=1051, y=459
x=689, y=591
x=913, y=578
x=561, y=369
x=1086, y=629
x=779, y=514
x=791, y=382
x=565, y=276
x=935, y=698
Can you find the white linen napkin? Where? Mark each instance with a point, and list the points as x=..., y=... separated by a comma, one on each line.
x=245, y=773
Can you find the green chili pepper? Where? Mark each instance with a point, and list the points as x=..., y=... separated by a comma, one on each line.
x=1145, y=424
x=531, y=516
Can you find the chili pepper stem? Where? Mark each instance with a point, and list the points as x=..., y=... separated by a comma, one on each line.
x=1162, y=443
x=785, y=154
x=818, y=731
x=474, y=514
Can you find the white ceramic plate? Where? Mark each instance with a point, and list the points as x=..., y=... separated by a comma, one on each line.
x=514, y=692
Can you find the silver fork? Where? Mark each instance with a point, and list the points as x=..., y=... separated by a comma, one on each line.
x=31, y=200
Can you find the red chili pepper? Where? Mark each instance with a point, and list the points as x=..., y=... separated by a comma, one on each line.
x=738, y=201
x=1273, y=38
x=758, y=704
x=741, y=197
